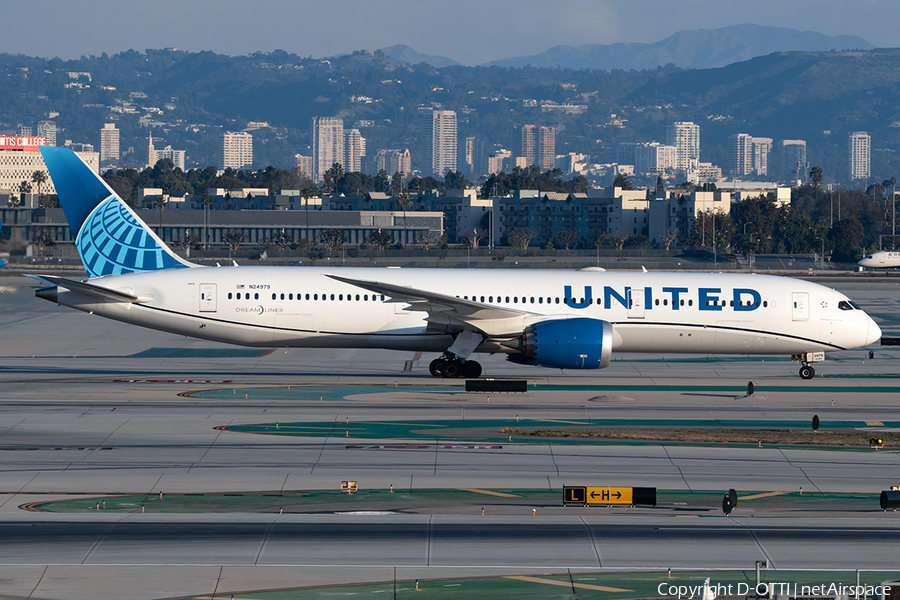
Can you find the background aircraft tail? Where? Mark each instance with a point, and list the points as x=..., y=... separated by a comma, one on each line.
x=110, y=237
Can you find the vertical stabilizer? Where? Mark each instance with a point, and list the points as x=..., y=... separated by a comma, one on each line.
x=110, y=237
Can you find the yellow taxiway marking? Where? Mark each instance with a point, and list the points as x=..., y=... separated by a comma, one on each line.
x=585, y=586
x=874, y=423
x=489, y=493
x=556, y=421
x=766, y=495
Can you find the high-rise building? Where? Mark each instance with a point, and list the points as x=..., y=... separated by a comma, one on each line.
x=25, y=131
x=653, y=158
x=47, y=129
x=354, y=151
x=791, y=157
x=762, y=148
x=437, y=134
x=528, y=146
x=546, y=155
x=860, y=155
x=685, y=136
x=748, y=155
x=475, y=158
x=538, y=146
x=327, y=144
x=392, y=161
x=740, y=154
x=176, y=156
x=304, y=165
x=109, y=143
x=237, y=150
x=625, y=153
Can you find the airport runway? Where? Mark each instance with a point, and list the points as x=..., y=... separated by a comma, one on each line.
x=92, y=407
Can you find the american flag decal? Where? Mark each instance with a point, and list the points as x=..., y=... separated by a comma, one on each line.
x=240, y=287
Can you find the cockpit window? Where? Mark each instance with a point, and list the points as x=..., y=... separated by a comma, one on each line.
x=844, y=305
x=855, y=305
x=870, y=256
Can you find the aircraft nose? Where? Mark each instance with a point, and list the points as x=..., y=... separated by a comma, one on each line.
x=874, y=332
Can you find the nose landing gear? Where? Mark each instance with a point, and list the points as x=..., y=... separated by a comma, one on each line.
x=807, y=372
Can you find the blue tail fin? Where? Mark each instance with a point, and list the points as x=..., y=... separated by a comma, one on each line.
x=110, y=237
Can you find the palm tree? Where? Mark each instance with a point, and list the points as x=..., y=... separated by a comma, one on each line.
x=39, y=178
x=816, y=175
x=160, y=205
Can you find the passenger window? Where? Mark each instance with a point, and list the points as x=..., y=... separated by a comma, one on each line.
x=307, y=296
x=256, y=296
x=557, y=300
x=731, y=303
x=357, y=297
x=340, y=297
x=273, y=296
x=315, y=296
x=690, y=302
x=515, y=299
x=290, y=296
x=366, y=297
x=282, y=296
x=482, y=298
x=765, y=304
x=332, y=296
x=229, y=295
x=507, y=299
x=490, y=298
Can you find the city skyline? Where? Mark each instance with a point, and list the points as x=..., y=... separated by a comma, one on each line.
x=72, y=30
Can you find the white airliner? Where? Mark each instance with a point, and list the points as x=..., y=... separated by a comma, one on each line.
x=881, y=259
x=560, y=319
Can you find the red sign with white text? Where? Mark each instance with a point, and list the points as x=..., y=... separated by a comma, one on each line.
x=21, y=142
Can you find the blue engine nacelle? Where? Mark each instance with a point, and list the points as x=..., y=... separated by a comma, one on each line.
x=577, y=343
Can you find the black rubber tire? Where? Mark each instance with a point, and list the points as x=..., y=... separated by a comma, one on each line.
x=471, y=369
x=435, y=367
x=807, y=372
x=450, y=369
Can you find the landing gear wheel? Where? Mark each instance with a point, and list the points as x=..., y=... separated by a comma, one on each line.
x=450, y=369
x=471, y=369
x=435, y=367
x=807, y=372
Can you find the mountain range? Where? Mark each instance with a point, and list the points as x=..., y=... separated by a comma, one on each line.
x=698, y=49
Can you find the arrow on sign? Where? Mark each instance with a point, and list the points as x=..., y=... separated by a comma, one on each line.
x=617, y=494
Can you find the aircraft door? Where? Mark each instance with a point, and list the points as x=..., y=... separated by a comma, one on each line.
x=800, y=310
x=636, y=303
x=207, y=297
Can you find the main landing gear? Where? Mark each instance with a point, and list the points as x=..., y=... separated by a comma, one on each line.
x=451, y=366
x=806, y=371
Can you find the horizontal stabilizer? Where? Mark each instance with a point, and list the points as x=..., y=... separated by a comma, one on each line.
x=87, y=288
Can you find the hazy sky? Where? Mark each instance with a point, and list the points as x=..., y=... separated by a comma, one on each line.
x=470, y=31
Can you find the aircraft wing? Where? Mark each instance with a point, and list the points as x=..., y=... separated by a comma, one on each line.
x=87, y=288
x=440, y=307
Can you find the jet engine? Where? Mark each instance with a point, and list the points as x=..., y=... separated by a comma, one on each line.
x=573, y=343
